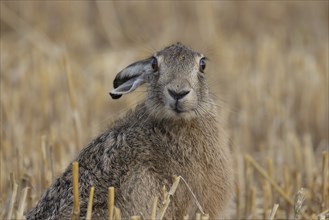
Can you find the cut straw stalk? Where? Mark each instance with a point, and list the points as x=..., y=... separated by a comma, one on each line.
x=320, y=217
x=19, y=214
x=325, y=196
x=275, y=208
x=44, y=162
x=267, y=195
x=117, y=213
x=324, y=212
x=90, y=203
x=270, y=171
x=266, y=176
x=163, y=208
x=287, y=187
x=76, y=205
x=111, y=202
x=52, y=164
x=167, y=195
x=248, y=183
x=12, y=201
x=273, y=183
x=205, y=217
x=18, y=162
x=164, y=194
x=154, y=208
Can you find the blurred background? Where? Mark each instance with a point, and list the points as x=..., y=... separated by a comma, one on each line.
x=268, y=69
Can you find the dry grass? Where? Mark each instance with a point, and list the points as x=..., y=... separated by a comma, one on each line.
x=269, y=66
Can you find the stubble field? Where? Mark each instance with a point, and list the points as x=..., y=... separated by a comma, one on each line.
x=268, y=69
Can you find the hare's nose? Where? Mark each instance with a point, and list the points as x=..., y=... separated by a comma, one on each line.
x=178, y=95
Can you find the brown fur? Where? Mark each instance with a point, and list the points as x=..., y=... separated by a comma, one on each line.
x=142, y=151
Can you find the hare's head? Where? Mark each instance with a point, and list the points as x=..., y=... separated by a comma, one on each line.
x=176, y=83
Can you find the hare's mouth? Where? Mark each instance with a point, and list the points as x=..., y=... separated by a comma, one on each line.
x=177, y=107
x=178, y=110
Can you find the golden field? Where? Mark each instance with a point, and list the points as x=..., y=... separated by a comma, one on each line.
x=268, y=68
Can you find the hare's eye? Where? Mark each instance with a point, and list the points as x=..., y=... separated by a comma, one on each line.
x=202, y=65
x=154, y=64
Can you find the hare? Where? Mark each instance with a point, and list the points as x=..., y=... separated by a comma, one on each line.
x=173, y=132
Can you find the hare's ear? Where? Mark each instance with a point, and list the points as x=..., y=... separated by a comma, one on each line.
x=128, y=79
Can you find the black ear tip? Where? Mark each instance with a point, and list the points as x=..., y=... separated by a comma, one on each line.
x=114, y=96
